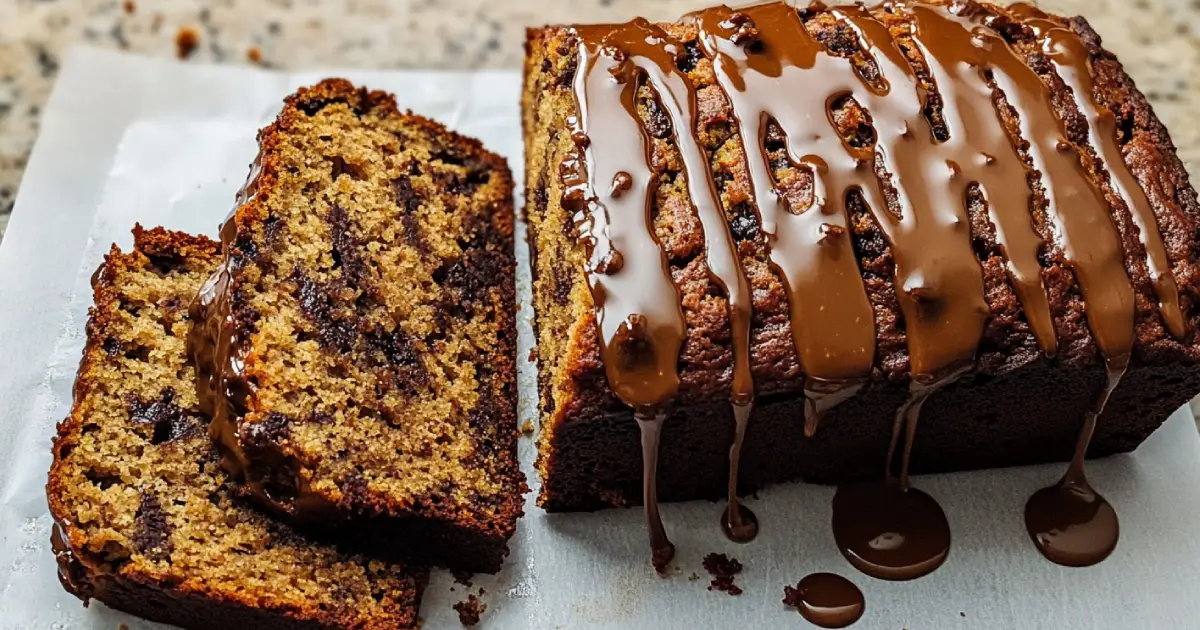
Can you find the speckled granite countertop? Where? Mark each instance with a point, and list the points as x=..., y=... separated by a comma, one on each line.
x=1158, y=40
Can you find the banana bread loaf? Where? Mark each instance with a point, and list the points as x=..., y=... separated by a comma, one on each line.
x=357, y=347
x=831, y=211
x=146, y=521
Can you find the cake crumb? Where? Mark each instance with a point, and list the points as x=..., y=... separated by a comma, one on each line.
x=693, y=577
x=527, y=426
x=723, y=569
x=129, y=6
x=962, y=614
x=462, y=577
x=533, y=354
x=186, y=42
x=469, y=611
x=123, y=626
x=254, y=55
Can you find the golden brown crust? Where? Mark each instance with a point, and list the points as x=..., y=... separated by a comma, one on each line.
x=145, y=519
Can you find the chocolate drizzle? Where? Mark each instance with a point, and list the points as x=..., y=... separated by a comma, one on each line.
x=660, y=545
x=1069, y=56
x=219, y=357
x=938, y=87
x=1070, y=523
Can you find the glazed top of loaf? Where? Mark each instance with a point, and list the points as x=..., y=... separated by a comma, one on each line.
x=932, y=189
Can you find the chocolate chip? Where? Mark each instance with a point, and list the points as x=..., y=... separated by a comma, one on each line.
x=111, y=346
x=393, y=347
x=658, y=124
x=691, y=56
x=272, y=430
x=169, y=420
x=406, y=196
x=152, y=532
x=744, y=227
x=316, y=302
x=346, y=249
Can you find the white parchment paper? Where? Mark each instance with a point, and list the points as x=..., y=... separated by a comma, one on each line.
x=128, y=139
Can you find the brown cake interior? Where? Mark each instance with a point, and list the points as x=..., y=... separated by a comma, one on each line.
x=146, y=520
x=370, y=284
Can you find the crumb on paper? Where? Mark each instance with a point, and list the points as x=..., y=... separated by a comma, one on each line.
x=186, y=42
x=462, y=577
x=470, y=610
x=791, y=596
x=533, y=354
x=693, y=577
x=962, y=614
x=130, y=7
x=723, y=569
x=254, y=55
x=123, y=626
x=527, y=426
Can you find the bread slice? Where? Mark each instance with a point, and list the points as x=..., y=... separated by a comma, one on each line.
x=146, y=521
x=360, y=340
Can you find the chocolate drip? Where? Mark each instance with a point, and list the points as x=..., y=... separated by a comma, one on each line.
x=219, y=357
x=738, y=522
x=831, y=319
x=637, y=305
x=1070, y=523
x=890, y=530
x=1069, y=55
x=827, y=600
x=651, y=50
x=661, y=549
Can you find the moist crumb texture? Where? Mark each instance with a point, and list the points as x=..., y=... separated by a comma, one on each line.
x=146, y=520
x=358, y=345
x=1036, y=367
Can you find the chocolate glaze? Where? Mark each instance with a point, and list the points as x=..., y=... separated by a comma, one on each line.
x=888, y=529
x=737, y=521
x=661, y=549
x=827, y=600
x=832, y=321
x=1069, y=522
x=627, y=53
x=913, y=177
x=1070, y=58
x=71, y=573
x=221, y=386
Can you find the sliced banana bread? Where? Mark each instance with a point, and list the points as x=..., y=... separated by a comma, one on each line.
x=357, y=348
x=146, y=520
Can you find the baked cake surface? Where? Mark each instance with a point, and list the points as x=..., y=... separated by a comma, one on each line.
x=146, y=520
x=357, y=347
x=1084, y=254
